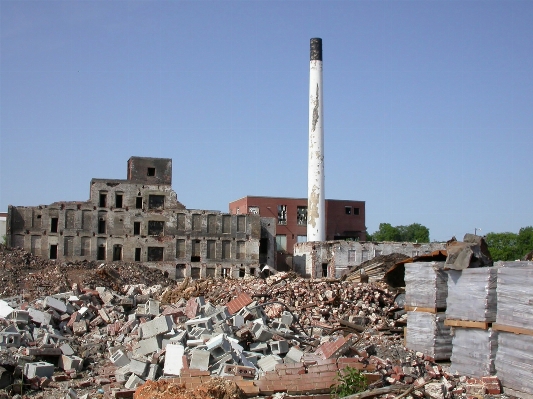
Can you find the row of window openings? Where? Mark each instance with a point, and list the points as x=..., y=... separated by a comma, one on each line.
x=154, y=201
x=155, y=254
x=301, y=213
x=154, y=227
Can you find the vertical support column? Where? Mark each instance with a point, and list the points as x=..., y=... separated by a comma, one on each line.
x=316, y=206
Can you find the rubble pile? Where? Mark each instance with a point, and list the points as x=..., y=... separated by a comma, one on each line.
x=375, y=268
x=281, y=334
x=31, y=276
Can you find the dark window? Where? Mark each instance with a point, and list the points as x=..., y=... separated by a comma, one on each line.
x=101, y=226
x=195, y=258
x=156, y=201
x=53, y=251
x=226, y=272
x=103, y=200
x=324, y=269
x=118, y=200
x=151, y=172
x=263, y=246
x=117, y=252
x=282, y=214
x=348, y=210
x=155, y=254
x=301, y=214
x=356, y=211
x=101, y=253
x=53, y=225
x=195, y=272
x=139, y=203
x=210, y=272
x=155, y=228
x=180, y=270
x=242, y=272
x=136, y=228
x=252, y=271
x=137, y=254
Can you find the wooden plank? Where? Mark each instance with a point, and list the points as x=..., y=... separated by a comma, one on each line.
x=511, y=329
x=483, y=325
x=420, y=309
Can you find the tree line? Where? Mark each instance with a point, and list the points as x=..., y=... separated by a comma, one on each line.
x=502, y=246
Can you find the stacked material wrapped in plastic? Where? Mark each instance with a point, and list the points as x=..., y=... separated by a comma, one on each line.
x=474, y=351
x=472, y=294
x=427, y=333
x=426, y=285
x=514, y=361
x=515, y=306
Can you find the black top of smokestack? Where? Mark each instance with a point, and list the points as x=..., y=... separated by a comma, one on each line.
x=316, y=49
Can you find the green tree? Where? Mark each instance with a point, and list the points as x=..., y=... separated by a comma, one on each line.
x=503, y=246
x=525, y=240
x=386, y=232
x=414, y=232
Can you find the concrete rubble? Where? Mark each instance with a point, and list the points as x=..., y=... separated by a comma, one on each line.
x=282, y=334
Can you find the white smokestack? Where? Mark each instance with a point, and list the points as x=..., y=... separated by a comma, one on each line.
x=316, y=204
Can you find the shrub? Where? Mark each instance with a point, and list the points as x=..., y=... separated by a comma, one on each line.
x=350, y=381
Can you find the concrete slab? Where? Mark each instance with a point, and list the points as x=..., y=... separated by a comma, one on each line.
x=174, y=359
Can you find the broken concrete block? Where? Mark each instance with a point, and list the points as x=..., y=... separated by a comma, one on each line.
x=39, y=317
x=19, y=316
x=119, y=358
x=56, y=304
x=238, y=321
x=133, y=382
x=154, y=372
x=149, y=345
x=173, y=359
x=261, y=332
x=204, y=322
x=79, y=327
x=159, y=325
x=122, y=374
x=5, y=309
x=176, y=338
x=66, y=349
x=218, y=346
x=70, y=362
x=9, y=339
x=103, y=314
x=192, y=343
x=268, y=363
x=294, y=355
x=139, y=367
x=38, y=369
x=286, y=318
x=279, y=347
x=261, y=347
x=200, y=359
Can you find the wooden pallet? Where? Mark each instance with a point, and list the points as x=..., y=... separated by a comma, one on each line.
x=511, y=329
x=483, y=325
x=420, y=309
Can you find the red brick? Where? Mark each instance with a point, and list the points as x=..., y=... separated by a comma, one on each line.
x=493, y=389
x=238, y=303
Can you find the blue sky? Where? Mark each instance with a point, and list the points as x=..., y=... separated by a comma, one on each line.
x=427, y=104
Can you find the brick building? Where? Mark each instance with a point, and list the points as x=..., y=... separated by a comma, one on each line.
x=345, y=220
x=141, y=220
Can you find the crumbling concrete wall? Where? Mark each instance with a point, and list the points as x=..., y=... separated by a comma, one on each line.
x=141, y=220
x=332, y=258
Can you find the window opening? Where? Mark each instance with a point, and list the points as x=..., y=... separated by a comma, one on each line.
x=351, y=255
x=117, y=252
x=101, y=226
x=155, y=228
x=195, y=258
x=151, y=172
x=101, y=253
x=324, y=269
x=137, y=254
x=53, y=251
x=356, y=211
x=180, y=270
x=136, y=228
x=156, y=202
x=155, y=254
x=211, y=249
x=103, y=200
x=226, y=272
x=282, y=214
x=53, y=225
x=242, y=272
x=139, y=202
x=281, y=242
x=301, y=215
x=348, y=210
x=118, y=200
x=252, y=271
x=241, y=224
x=195, y=272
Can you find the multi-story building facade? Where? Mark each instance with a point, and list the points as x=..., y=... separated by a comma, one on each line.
x=141, y=220
x=345, y=220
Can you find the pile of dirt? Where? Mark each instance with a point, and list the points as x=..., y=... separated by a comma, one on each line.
x=215, y=388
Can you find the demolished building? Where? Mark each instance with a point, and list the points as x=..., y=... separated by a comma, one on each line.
x=333, y=258
x=140, y=219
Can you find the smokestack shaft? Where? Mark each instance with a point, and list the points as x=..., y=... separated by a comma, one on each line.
x=316, y=208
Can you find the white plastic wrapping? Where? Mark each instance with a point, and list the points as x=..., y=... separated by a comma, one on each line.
x=474, y=352
x=426, y=285
x=514, y=361
x=472, y=294
x=515, y=296
x=427, y=333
